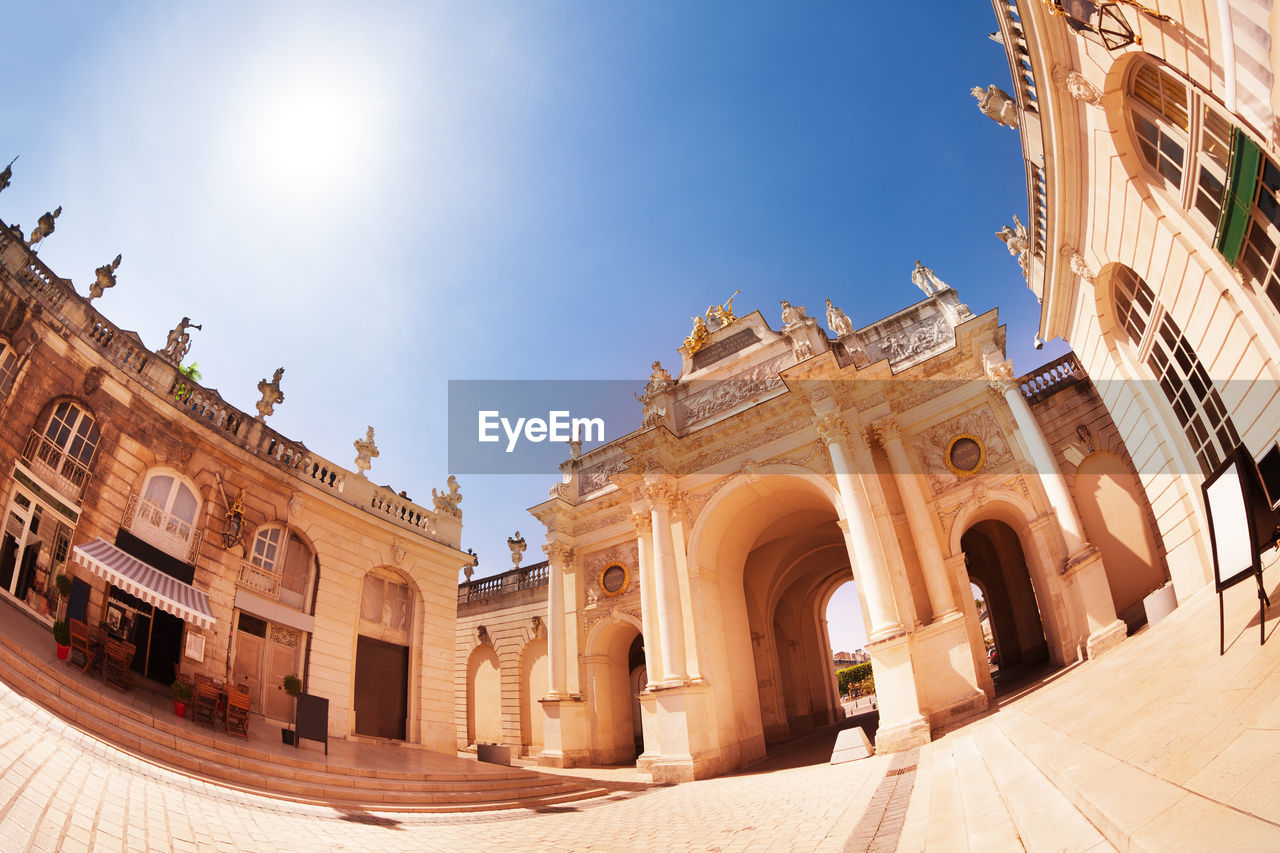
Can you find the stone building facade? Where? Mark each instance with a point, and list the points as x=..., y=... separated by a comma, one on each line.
x=212, y=543
x=1152, y=161
x=691, y=561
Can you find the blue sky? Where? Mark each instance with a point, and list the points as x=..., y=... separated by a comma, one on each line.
x=384, y=196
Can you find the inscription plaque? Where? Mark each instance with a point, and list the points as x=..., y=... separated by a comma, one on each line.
x=724, y=348
x=615, y=579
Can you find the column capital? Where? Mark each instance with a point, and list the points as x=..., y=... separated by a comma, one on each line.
x=642, y=522
x=886, y=429
x=661, y=492
x=831, y=428
x=558, y=553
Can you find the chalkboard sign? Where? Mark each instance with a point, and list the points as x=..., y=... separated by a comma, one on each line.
x=313, y=719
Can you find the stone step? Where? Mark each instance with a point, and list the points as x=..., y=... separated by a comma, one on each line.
x=1045, y=819
x=978, y=792
x=1133, y=809
x=178, y=745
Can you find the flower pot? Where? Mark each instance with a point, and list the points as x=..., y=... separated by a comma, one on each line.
x=287, y=736
x=179, y=708
x=63, y=652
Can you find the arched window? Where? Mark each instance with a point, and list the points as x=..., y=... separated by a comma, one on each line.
x=8, y=368
x=289, y=559
x=165, y=515
x=1188, y=141
x=1181, y=375
x=63, y=450
x=386, y=608
x=1181, y=134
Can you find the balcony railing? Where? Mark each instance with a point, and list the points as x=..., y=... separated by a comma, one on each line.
x=528, y=577
x=1047, y=380
x=51, y=464
x=259, y=581
x=166, y=531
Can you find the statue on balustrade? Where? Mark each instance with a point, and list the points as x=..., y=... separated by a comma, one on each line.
x=7, y=175
x=997, y=105
x=44, y=226
x=104, y=278
x=1016, y=241
x=366, y=451
x=271, y=394
x=178, y=343
x=448, y=503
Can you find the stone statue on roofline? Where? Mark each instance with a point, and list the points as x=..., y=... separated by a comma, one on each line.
x=7, y=175
x=997, y=105
x=518, y=546
x=838, y=321
x=104, y=278
x=719, y=316
x=1016, y=241
x=178, y=344
x=44, y=227
x=271, y=394
x=925, y=279
x=792, y=315
x=366, y=451
x=448, y=502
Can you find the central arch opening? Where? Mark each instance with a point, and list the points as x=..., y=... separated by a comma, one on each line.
x=997, y=566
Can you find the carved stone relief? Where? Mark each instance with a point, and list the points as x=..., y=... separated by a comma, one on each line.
x=727, y=393
x=931, y=446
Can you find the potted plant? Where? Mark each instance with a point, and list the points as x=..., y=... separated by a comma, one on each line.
x=181, y=692
x=62, y=636
x=293, y=686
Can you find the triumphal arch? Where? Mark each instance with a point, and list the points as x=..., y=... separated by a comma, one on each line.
x=692, y=560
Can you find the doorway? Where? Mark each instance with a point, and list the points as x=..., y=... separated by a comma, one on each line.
x=381, y=688
x=265, y=653
x=998, y=566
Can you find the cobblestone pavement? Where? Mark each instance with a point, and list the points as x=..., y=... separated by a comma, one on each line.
x=62, y=790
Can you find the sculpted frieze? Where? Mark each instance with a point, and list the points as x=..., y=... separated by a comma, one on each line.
x=931, y=446
x=596, y=477
x=728, y=392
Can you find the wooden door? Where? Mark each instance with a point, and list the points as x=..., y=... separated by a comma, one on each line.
x=281, y=660
x=248, y=667
x=381, y=688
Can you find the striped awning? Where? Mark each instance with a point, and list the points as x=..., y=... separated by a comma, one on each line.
x=146, y=582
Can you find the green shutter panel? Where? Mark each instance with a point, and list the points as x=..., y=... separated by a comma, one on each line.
x=1242, y=185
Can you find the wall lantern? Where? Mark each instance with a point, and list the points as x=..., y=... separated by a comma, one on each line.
x=1103, y=22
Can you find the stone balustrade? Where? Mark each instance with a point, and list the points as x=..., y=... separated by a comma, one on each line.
x=1047, y=380
x=507, y=583
x=123, y=349
x=166, y=531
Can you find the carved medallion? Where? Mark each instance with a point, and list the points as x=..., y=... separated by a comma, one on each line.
x=615, y=579
x=966, y=455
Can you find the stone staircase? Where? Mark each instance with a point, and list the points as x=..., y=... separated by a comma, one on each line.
x=410, y=780
x=976, y=791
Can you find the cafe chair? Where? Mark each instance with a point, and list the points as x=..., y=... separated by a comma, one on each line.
x=80, y=646
x=206, y=707
x=238, y=713
x=119, y=658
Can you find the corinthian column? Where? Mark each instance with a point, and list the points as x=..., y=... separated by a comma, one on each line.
x=643, y=522
x=559, y=558
x=1055, y=486
x=859, y=525
x=941, y=601
x=667, y=585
